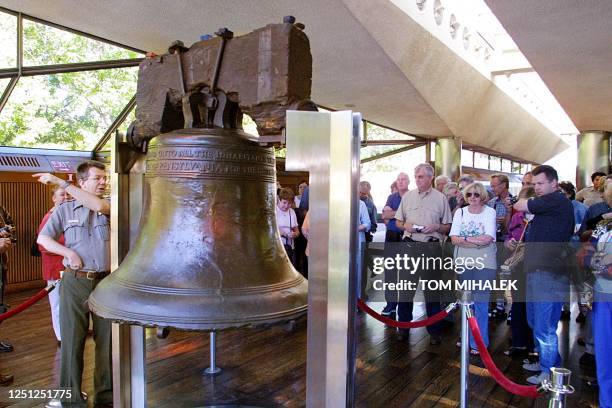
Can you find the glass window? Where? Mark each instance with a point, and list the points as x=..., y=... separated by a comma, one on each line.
x=467, y=158
x=376, y=132
x=381, y=173
x=46, y=45
x=494, y=163
x=3, y=83
x=481, y=160
x=65, y=111
x=280, y=152
x=370, y=151
x=128, y=120
x=506, y=166
x=8, y=40
x=516, y=167
x=249, y=125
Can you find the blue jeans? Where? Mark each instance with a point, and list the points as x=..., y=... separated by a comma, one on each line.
x=546, y=293
x=602, y=332
x=481, y=301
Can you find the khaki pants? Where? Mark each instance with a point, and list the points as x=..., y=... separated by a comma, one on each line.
x=74, y=323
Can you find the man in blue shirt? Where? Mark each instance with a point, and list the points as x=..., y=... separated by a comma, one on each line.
x=393, y=234
x=547, y=278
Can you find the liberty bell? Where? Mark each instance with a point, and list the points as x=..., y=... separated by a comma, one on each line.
x=209, y=255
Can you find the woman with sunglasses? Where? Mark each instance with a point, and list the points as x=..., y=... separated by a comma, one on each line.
x=473, y=234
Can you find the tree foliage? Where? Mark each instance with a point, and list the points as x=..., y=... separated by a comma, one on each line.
x=71, y=110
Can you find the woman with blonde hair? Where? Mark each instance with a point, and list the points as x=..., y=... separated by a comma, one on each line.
x=473, y=234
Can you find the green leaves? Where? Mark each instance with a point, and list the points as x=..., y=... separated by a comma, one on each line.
x=71, y=110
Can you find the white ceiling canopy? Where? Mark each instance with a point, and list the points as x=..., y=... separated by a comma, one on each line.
x=368, y=56
x=568, y=44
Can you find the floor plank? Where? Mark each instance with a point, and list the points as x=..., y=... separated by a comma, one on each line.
x=267, y=366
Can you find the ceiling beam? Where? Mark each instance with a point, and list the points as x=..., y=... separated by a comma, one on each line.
x=391, y=152
x=65, y=68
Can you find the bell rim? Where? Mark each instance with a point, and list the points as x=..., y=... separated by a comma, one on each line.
x=196, y=324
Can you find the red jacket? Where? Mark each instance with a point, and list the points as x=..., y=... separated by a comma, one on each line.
x=51, y=263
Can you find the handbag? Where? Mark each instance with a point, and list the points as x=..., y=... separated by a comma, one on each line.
x=518, y=254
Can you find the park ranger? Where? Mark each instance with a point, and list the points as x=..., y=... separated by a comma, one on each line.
x=84, y=222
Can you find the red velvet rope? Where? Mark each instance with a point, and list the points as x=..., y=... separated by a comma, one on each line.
x=402, y=325
x=44, y=292
x=529, y=391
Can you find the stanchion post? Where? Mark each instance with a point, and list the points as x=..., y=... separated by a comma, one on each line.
x=558, y=387
x=213, y=369
x=466, y=312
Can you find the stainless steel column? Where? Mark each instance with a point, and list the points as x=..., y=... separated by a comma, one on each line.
x=466, y=312
x=593, y=155
x=128, y=342
x=323, y=144
x=558, y=387
x=448, y=157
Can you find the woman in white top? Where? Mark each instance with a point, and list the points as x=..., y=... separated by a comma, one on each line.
x=286, y=221
x=473, y=233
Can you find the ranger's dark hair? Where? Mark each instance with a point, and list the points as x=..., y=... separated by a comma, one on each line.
x=83, y=168
x=549, y=171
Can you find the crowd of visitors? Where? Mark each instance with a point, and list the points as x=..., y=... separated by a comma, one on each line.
x=544, y=237
x=549, y=238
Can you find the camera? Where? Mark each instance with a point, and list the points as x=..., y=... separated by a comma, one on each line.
x=585, y=299
x=10, y=231
x=418, y=228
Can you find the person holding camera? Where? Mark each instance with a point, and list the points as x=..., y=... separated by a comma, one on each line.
x=546, y=260
x=502, y=204
x=7, y=236
x=5, y=244
x=424, y=215
x=84, y=223
x=393, y=234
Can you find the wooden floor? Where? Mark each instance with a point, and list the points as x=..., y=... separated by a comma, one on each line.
x=267, y=367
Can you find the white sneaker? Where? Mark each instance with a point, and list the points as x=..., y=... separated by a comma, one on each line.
x=535, y=367
x=54, y=403
x=538, y=379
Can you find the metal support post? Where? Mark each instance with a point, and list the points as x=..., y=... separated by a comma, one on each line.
x=322, y=143
x=466, y=312
x=213, y=369
x=128, y=342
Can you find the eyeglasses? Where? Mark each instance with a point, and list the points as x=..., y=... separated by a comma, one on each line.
x=97, y=179
x=476, y=195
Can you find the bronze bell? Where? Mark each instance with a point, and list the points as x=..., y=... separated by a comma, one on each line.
x=209, y=255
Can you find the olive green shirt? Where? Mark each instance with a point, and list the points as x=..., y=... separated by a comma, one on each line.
x=429, y=207
x=85, y=232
